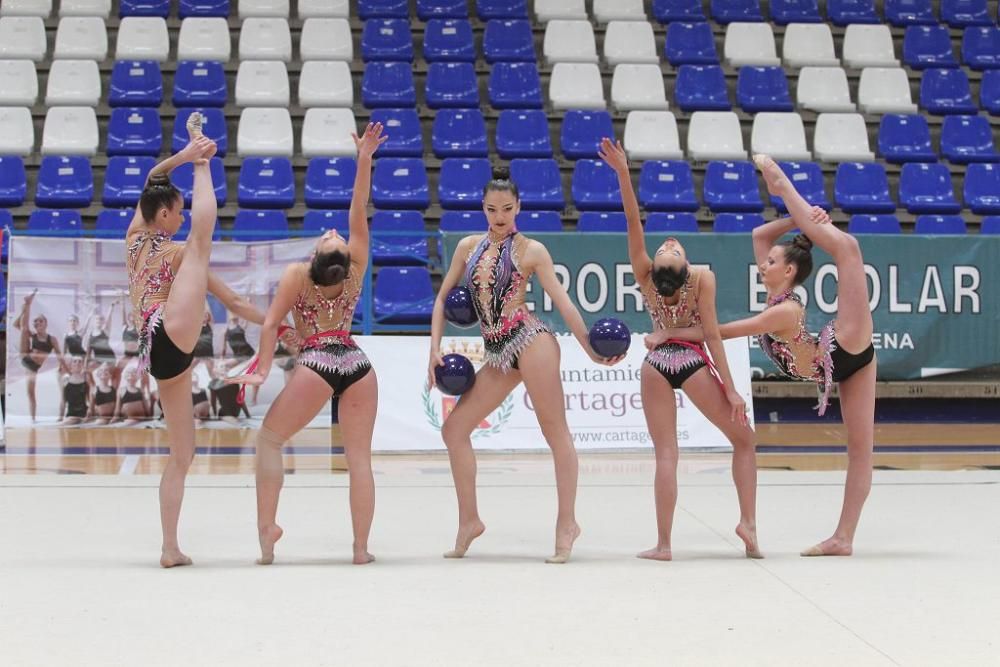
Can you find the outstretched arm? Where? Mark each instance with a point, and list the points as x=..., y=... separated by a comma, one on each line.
x=539, y=260
x=233, y=302
x=713, y=340
x=367, y=144
x=613, y=153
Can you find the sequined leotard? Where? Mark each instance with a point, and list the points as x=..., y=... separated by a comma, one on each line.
x=325, y=328
x=494, y=277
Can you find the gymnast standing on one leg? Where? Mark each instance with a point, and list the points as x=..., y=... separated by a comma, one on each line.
x=843, y=353
x=497, y=267
x=679, y=296
x=322, y=295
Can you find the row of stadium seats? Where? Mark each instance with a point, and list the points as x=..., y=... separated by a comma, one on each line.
x=957, y=13
x=401, y=183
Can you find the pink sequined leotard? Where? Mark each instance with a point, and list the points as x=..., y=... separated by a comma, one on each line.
x=149, y=262
x=675, y=358
x=498, y=287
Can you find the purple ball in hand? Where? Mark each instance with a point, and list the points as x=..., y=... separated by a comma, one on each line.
x=456, y=376
x=610, y=337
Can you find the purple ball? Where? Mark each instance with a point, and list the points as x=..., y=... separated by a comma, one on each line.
x=610, y=337
x=456, y=376
x=458, y=307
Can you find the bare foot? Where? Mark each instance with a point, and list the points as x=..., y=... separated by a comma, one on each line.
x=831, y=547
x=656, y=553
x=362, y=557
x=748, y=533
x=268, y=535
x=173, y=558
x=466, y=533
x=773, y=176
x=565, y=537
x=194, y=125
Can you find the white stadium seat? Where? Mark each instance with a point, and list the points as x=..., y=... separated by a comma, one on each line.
x=74, y=83
x=326, y=83
x=204, y=39
x=326, y=39
x=17, y=132
x=265, y=132
x=22, y=38
x=143, y=38
x=638, y=87
x=868, y=46
x=82, y=37
x=18, y=83
x=781, y=135
x=823, y=89
x=576, y=86
x=262, y=83
x=715, y=135
x=841, y=137
x=750, y=44
x=885, y=90
x=265, y=39
x=70, y=131
x=808, y=44
x=630, y=42
x=569, y=42
x=327, y=133
x=652, y=135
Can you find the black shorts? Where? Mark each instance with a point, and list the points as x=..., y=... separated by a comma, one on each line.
x=79, y=411
x=30, y=364
x=166, y=360
x=339, y=382
x=846, y=364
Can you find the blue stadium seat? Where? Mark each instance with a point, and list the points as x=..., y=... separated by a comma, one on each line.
x=428, y=10
x=690, y=44
x=732, y=186
x=449, y=40
x=598, y=221
x=808, y=180
x=926, y=188
x=582, y=131
x=539, y=182
x=982, y=188
x=737, y=223
x=383, y=9
x=981, y=47
x=124, y=179
x=595, y=186
x=874, y=224
x=670, y=11
x=701, y=88
x=388, y=85
x=488, y=10
x=763, y=89
x=940, y=224
x=185, y=228
x=135, y=83
x=135, y=131
x=539, y=221
x=218, y=8
x=64, y=182
x=905, y=138
x=515, y=86
x=402, y=126
x=846, y=12
x=946, y=91
x=400, y=182
x=463, y=221
x=909, y=12
x=461, y=182
x=48, y=222
x=6, y=223
x=667, y=186
x=967, y=139
x=183, y=179
x=671, y=222
x=330, y=182
x=387, y=40
x=315, y=223
x=523, y=133
x=962, y=13
x=459, y=133
x=213, y=126
x=862, y=187
x=13, y=181
x=927, y=46
x=160, y=8
x=253, y=225
x=452, y=85
x=112, y=223
x=989, y=91
x=403, y=295
x=266, y=182
x=784, y=12
x=990, y=225
x=736, y=11
x=508, y=40
x=199, y=83
x=394, y=249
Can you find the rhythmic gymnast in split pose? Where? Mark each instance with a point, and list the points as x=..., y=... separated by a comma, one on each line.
x=679, y=297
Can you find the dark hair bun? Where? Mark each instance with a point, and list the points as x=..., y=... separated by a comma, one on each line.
x=333, y=274
x=329, y=268
x=501, y=173
x=159, y=179
x=668, y=280
x=802, y=241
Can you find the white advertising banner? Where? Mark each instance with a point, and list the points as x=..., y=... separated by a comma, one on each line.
x=603, y=404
